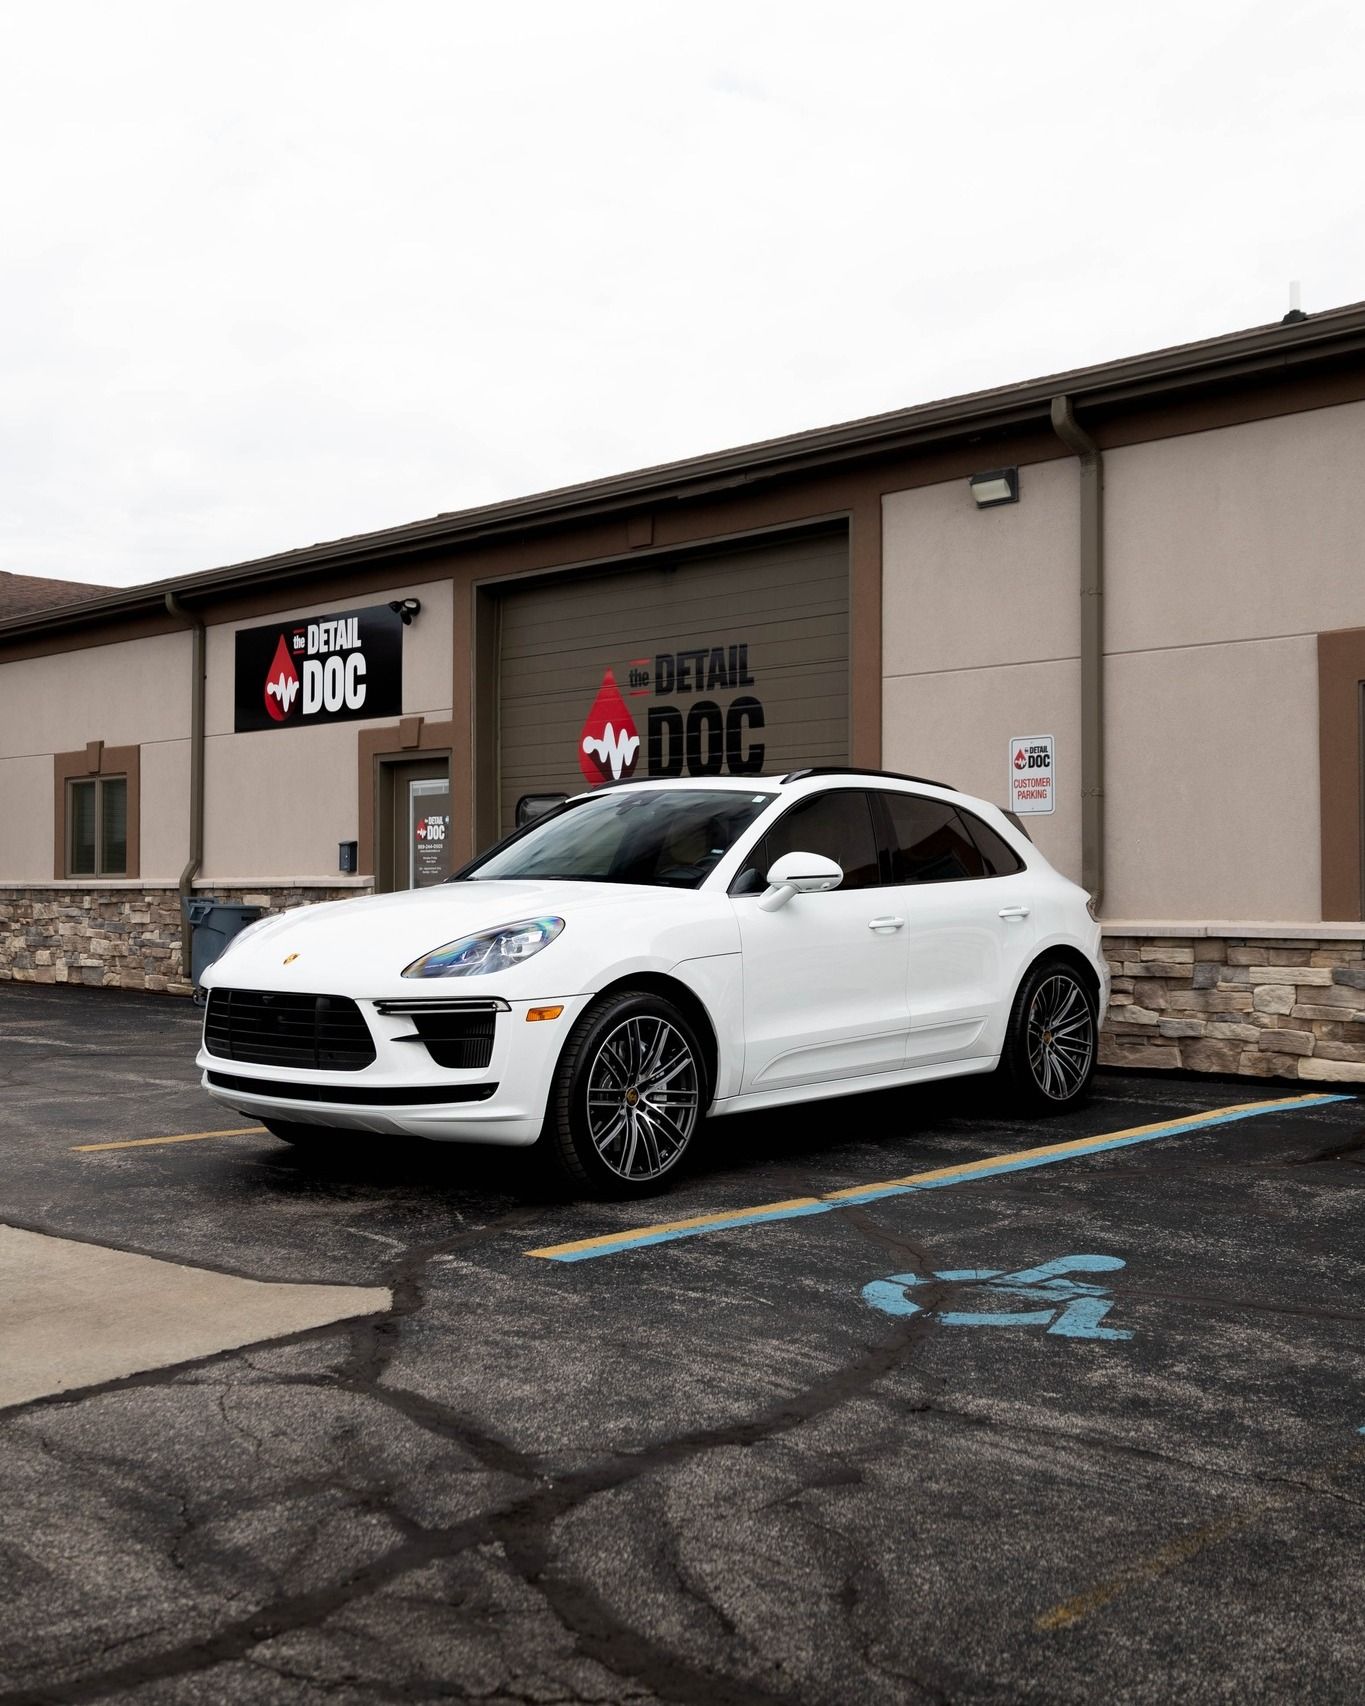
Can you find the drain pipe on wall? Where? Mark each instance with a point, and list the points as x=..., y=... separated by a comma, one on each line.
x=1080, y=443
x=196, y=858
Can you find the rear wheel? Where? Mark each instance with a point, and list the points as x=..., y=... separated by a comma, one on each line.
x=627, y=1097
x=1052, y=1042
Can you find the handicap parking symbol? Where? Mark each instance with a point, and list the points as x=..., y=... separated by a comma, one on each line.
x=1070, y=1308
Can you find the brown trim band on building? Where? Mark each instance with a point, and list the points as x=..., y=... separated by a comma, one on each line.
x=97, y=759
x=1341, y=695
x=406, y=739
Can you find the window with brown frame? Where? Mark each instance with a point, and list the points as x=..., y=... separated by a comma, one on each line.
x=97, y=827
x=97, y=833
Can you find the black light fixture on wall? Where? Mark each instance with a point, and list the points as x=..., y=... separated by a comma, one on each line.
x=999, y=486
x=405, y=609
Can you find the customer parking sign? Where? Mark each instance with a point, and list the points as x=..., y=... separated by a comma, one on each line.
x=1032, y=774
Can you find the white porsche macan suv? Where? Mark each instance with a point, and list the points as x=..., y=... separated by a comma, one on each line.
x=656, y=952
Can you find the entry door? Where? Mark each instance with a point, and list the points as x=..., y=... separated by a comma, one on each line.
x=416, y=841
x=968, y=906
x=825, y=977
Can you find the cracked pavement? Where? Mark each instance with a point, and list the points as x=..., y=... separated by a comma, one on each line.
x=702, y=1471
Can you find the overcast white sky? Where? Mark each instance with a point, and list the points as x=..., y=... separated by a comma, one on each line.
x=275, y=273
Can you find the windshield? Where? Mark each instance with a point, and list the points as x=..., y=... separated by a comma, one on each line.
x=672, y=838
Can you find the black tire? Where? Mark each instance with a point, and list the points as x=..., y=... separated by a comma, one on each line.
x=627, y=1098
x=1052, y=1042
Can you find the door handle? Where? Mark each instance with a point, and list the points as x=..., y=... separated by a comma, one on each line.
x=885, y=923
x=1014, y=912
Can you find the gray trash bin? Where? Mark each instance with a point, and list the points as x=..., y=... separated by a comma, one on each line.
x=215, y=923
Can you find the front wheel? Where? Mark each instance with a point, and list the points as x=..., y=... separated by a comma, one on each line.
x=1052, y=1041
x=627, y=1097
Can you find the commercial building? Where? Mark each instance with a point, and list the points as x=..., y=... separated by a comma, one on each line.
x=1128, y=600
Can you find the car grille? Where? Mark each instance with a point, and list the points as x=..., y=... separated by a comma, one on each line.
x=326, y=1032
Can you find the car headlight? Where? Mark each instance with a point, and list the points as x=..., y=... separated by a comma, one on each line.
x=491, y=950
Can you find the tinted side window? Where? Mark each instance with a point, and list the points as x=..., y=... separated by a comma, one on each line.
x=839, y=825
x=1001, y=859
x=930, y=843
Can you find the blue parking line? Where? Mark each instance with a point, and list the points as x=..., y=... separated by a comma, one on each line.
x=589, y=1249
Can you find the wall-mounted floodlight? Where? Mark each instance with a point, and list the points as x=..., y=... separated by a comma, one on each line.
x=405, y=609
x=1000, y=486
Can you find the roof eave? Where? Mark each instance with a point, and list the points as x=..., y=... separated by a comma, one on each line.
x=1238, y=358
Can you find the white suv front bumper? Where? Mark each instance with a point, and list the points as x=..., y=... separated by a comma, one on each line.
x=401, y=1091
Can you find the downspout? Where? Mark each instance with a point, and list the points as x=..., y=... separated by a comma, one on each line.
x=1078, y=441
x=196, y=858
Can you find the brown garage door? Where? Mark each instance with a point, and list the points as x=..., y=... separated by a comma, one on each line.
x=733, y=664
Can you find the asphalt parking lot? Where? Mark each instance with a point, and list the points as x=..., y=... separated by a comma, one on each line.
x=1081, y=1427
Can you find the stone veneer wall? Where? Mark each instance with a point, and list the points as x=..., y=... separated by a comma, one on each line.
x=1263, y=1006
x=123, y=937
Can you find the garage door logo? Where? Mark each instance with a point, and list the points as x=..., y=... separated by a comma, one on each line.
x=281, y=684
x=609, y=745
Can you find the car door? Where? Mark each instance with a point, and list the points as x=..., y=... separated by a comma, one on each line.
x=825, y=976
x=966, y=897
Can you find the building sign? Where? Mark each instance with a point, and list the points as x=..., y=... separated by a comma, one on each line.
x=429, y=832
x=319, y=669
x=704, y=727
x=1032, y=774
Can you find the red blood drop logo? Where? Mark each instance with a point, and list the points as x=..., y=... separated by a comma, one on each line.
x=282, y=684
x=609, y=745
x=1020, y=761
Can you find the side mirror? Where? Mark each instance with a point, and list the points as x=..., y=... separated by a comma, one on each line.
x=799, y=873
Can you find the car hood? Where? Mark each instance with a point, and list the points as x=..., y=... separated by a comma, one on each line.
x=360, y=947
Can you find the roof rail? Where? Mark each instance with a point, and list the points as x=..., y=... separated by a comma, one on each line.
x=860, y=770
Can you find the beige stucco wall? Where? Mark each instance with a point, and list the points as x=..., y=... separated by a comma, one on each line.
x=278, y=801
x=27, y=807
x=980, y=633
x=1249, y=532
x=125, y=694
x=130, y=693
x=1212, y=797
x=165, y=809
x=1226, y=553
x=281, y=801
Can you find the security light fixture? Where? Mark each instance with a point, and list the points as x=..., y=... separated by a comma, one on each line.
x=405, y=609
x=1000, y=486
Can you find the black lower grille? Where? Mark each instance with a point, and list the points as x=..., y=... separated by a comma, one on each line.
x=327, y=1032
x=357, y=1096
x=457, y=1040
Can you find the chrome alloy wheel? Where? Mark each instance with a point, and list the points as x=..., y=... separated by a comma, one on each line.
x=1061, y=1036
x=643, y=1099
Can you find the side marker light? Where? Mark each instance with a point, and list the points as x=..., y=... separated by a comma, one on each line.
x=534, y=1013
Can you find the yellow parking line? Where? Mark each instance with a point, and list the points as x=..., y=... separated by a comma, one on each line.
x=1149, y=1569
x=180, y=1137
x=612, y=1243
